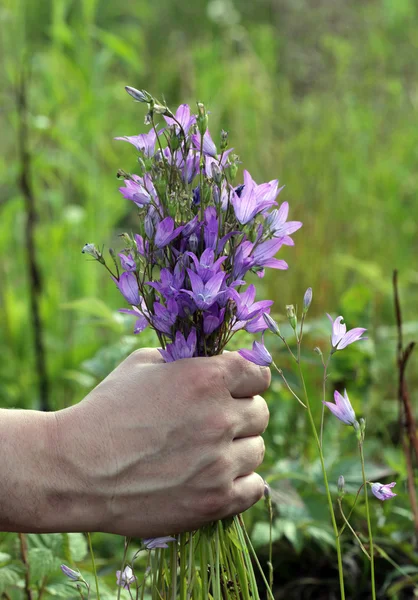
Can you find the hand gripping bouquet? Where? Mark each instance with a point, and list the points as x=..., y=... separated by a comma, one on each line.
x=183, y=274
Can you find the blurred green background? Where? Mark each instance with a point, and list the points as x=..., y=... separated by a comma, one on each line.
x=322, y=95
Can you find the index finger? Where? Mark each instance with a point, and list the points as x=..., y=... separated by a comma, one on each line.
x=242, y=377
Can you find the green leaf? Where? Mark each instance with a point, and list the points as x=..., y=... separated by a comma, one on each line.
x=8, y=577
x=4, y=557
x=77, y=546
x=235, y=540
x=42, y=562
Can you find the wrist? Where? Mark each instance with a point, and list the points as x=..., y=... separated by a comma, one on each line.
x=74, y=499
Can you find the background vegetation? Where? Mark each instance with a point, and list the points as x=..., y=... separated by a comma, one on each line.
x=321, y=94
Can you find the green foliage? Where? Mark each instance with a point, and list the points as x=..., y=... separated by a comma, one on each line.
x=321, y=95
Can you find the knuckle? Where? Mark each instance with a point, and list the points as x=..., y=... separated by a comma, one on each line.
x=214, y=504
x=219, y=425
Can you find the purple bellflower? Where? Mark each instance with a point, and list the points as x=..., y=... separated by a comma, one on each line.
x=205, y=294
x=159, y=542
x=180, y=348
x=144, y=142
x=258, y=355
x=383, y=491
x=125, y=578
x=342, y=409
x=128, y=286
x=166, y=233
x=127, y=262
x=341, y=338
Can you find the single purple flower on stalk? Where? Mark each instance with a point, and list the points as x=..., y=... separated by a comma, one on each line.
x=128, y=287
x=125, y=578
x=159, y=542
x=210, y=233
x=341, y=338
x=276, y=222
x=206, y=267
x=264, y=252
x=134, y=190
x=383, y=491
x=183, y=117
x=170, y=283
x=166, y=232
x=127, y=262
x=258, y=355
x=248, y=204
x=70, y=573
x=165, y=317
x=246, y=308
x=205, y=294
x=180, y=348
x=144, y=142
x=141, y=320
x=208, y=144
x=212, y=319
x=342, y=409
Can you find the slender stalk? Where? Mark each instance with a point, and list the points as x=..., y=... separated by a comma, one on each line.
x=94, y=566
x=368, y=522
x=248, y=541
x=352, y=508
x=127, y=542
x=352, y=530
x=280, y=372
x=324, y=473
x=24, y=557
x=173, y=550
x=324, y=383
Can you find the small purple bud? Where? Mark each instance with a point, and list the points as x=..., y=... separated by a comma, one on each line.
x=341, y=485
x=271, y=324
x=149, y=226
x=224, y=140
x=139, y=95
x=267, y=490
x=70, y=573
x=307, y=299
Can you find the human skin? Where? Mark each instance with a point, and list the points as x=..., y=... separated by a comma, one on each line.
x=154, y=449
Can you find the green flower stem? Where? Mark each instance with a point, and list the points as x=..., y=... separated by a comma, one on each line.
x=204, y=564
x=324, y=383
x=352, y=508
x=257, y=562
x=94, y=567
x=369, y=526
x=351, y=529
x=324, y=473
x=173, y=557
x=183, y=566
x=217, y=585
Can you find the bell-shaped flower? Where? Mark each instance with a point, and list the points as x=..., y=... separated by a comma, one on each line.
x=166, y=232
x=342, y=408
x=207, y=266
x=144, y=142
x=128, y=286
x=278, y=225
x=159, y=542
x=258, y=355
x=125, y=578
x=383, y=491
x=180, y=348
x=183, y=117
x=165, y=317
x=127, y=262
x=205, y=294
x=341, y=338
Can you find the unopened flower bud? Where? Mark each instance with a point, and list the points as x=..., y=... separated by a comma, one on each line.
x=341, y=485
x=291, y=315
x=193, y=243
x=94, y=252
x=149, y=226
x=216, y=173
x=317, y=350
x=202, y=118
x=139, y=95
x=271, y=324
x=307, y=299
x=267, y=490
x=224, y=140
x=71, y=574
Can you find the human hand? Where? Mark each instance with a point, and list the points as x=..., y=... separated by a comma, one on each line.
x=161, y=448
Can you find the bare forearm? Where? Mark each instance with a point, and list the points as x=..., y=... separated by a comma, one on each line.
x=25, y=461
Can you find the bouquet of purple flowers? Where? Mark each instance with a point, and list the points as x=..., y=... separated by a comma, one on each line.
x=183, y=274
